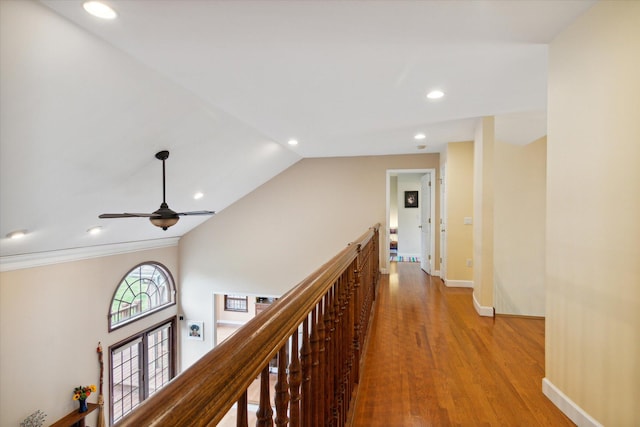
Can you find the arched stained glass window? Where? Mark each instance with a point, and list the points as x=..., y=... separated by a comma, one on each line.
x=143, y=290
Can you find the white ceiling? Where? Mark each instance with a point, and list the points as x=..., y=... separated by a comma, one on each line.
x=85, y=104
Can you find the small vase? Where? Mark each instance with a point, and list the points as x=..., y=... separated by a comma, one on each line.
x=83, y=405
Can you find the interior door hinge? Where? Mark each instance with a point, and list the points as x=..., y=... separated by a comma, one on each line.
x=429, y=220
x=429, y=257
x=429, y=183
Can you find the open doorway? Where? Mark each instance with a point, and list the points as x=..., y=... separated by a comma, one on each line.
x=410, y=217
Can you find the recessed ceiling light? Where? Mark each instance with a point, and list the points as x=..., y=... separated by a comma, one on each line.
x=94, y=230
x=293, y=142
x=419, y=136
x=435, y=94
x=18, y=234
x=198, y=195
x=99, y=10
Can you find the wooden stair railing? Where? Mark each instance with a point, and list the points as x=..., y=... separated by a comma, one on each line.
x=317, y=330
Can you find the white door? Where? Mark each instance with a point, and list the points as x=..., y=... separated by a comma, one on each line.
x=425, y=223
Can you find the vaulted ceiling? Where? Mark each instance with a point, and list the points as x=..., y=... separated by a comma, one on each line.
x=224, y=85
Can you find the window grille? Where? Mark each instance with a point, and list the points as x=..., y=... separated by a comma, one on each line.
x=145, y=289
x=140, y=366
x=236, y=303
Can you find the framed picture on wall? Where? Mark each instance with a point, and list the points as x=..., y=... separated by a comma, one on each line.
x=195, y=330
x=410, y=199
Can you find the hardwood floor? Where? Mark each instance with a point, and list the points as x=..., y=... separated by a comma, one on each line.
x=432, y=361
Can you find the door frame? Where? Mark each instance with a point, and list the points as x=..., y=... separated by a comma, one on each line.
x=385, y=241
x=431, y=224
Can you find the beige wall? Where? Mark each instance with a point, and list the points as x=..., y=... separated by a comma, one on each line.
x=519, y=232
x=459, y=202
x=593, y=212
x=277, y=235
x=51, y=320
x=483, y=181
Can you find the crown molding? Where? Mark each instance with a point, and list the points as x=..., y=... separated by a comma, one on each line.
x=17, y=262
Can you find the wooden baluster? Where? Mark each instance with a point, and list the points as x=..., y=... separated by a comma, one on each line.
x=344, y=347
x=315, y=365
x=305, y=352
x=357, y=348
x=337, y=351
x=322, y=365
x=264, y=413
x=282, y=389
x=348, y=343
x=329, y=358
x=295, y=379
x=242, y=418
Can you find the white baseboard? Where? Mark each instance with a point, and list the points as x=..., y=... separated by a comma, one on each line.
x=459, y=283
x=568, y=406
x=482, y=310
x=436, y=273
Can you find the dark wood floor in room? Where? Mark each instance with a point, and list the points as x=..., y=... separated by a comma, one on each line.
x=432, y=361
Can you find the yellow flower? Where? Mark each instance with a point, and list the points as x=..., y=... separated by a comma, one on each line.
x=93, y=388
x=76, y=396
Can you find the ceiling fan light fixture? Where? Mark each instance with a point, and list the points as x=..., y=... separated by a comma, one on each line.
x=99, y=10
x=163, y=223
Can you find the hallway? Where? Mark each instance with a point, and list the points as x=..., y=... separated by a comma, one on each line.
x=432, y=361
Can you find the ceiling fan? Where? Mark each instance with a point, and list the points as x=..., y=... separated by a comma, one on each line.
x=163, y=217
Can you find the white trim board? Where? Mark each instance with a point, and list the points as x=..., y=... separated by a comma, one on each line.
x=568, y=406
x=482, y=310
x=17, y=262
x=459, y=284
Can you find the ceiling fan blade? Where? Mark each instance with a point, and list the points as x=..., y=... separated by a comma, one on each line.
x=196, y=213
x=127, y=215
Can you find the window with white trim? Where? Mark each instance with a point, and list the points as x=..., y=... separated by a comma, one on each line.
x=140, y=366
x=236, y=303
x=145, y=289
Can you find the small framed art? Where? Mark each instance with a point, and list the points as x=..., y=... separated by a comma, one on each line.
x=195, y=330
x=410, y=199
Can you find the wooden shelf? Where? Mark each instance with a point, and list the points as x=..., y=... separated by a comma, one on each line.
x=75, y=418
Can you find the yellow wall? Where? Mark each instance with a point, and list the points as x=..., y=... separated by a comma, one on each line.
x=519, y=232
x=593, y=213
x=459, y=200
x=483, y=180
x=51, y=320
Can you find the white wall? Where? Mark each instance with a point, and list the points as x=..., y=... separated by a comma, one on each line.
x=51, y=320
x=408, y=218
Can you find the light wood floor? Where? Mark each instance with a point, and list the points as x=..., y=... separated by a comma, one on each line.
x=432, y=361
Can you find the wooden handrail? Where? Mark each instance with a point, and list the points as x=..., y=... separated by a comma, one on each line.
x=328, y=308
